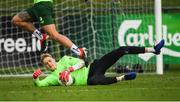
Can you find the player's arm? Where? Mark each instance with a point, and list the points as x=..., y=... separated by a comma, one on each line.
x=38, y=82
x=77, y=66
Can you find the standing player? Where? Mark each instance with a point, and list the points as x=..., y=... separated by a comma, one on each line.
x=42, y=11
x=91, y=75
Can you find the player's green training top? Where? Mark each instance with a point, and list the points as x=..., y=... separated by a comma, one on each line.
x=37, y=1
x=79, y=76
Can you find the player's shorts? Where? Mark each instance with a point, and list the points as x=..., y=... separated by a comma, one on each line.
x=42, y=12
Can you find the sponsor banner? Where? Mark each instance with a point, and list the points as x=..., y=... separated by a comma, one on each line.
x=17, y=47
x=139, y=32
x=171, y=34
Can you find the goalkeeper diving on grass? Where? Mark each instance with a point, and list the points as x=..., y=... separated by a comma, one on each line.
x=72, y=71
x=42, y=11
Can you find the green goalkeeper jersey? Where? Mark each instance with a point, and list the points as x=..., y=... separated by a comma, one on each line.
x=80, y=76
x=37, y=1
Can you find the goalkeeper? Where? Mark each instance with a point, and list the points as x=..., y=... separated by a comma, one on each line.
x=42, y=11
x=91, y=75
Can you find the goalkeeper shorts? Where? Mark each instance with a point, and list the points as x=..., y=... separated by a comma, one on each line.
x=42, y=12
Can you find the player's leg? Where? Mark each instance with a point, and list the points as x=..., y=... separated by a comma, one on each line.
x=101, y=80
x=109, y=59
x=46, y=18
x=96, y=79
x=110, y=80
x=99, y=67
x=52, y=32
x=50, y=29
x=22, y=19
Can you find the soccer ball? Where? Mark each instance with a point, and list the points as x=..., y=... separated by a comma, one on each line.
x=70, y=81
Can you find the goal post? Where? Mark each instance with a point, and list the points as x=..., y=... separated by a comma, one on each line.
x=158, y=19
x=98, y=25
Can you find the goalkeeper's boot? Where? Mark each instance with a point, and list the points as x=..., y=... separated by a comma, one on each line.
x=158, y=47
x=130, y=76
x=44, y=43
x=83, y=53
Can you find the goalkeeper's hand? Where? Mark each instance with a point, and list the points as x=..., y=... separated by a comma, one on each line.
x=37, y=73
x=64, y=76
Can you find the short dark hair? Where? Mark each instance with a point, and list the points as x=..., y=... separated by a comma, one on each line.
x=44, y=55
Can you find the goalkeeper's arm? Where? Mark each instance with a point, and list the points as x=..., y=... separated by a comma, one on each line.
x=77, y=66
x=64, y=74
x=48, y=81
x=41, y=83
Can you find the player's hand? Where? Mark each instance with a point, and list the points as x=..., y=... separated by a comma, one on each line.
x=64, y=76
x=37, y=73
x=83, y=53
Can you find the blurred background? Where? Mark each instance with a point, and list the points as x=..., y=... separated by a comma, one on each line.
x=96, y=25
x=172, y=8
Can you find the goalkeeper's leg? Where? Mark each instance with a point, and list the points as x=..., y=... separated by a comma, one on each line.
x=109, y=59
x=102, y=80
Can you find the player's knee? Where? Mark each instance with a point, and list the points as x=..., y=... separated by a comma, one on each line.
x=15, y=20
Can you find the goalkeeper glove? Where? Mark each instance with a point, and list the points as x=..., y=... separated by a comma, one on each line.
x=64, y=76
x=37, y=73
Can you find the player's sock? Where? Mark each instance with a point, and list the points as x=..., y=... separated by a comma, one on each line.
x=38, y=34
x=158, y=47
x=75, y=49
x=81, y=52
x=44, y=43
x=120, y=78
x=150, y=50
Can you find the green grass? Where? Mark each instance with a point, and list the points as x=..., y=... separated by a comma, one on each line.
x=145, y=87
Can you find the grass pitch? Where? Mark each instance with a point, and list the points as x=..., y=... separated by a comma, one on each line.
x=144, y=88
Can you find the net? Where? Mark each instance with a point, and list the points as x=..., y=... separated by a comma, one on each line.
x=98, y=25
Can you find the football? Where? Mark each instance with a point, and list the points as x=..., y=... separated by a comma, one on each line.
x=68, y=83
